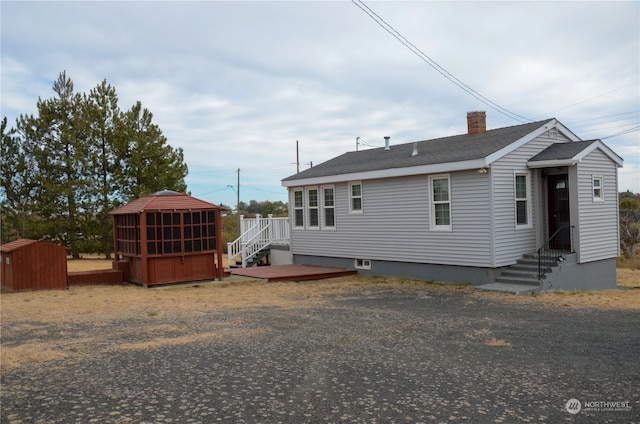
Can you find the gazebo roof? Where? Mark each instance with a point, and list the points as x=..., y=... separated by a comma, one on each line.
x=163, y=201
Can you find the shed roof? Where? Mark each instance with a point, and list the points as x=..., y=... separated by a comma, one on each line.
x=16, y=244
x=458, y=148
x=164, y=200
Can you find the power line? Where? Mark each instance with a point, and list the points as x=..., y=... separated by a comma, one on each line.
x=629, y=131
x=424, y=57
x=633, y=112
x=589, y=99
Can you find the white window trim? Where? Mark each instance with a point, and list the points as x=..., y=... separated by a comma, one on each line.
x=351, y=210
x=432, y=204
x=362, y=263
x=293, y=203
x=593, y=188
x=529, y=223
x=308, y=209
x=324, y=225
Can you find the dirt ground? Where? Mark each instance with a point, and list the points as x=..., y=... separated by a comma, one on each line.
x=106, y=303
x=626, y=297
x=351, y=349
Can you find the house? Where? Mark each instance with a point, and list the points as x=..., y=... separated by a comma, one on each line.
x=531, y=206
x=168, y=237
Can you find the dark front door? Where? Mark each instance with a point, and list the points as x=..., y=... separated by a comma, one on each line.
x=558, y=213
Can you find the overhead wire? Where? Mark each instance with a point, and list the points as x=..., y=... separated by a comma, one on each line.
x=589, y=99
x=432, y=63
x=452, y=78
x=633, y=112
x=624, y=132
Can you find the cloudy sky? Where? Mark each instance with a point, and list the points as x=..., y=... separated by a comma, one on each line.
x=235, y=84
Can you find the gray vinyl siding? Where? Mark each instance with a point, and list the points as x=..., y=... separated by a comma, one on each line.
x=511, y=242
x=394, y=225
x=599, y=221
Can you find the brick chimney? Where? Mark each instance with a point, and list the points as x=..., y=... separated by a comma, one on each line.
x=476, y=123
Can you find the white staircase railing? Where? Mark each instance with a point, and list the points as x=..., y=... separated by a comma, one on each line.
x=256, y=234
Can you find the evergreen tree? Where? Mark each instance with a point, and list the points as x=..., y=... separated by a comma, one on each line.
x=64, y=169
x=56, y=140
x=146, y=162
x=17, y=186
x=105, y=120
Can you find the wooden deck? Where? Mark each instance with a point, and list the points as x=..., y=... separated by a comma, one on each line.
x=291, y=272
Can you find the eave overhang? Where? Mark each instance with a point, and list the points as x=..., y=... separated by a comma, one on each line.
x=390, y=173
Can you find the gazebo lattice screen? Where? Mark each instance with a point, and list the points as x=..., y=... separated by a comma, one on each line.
x=169, y=237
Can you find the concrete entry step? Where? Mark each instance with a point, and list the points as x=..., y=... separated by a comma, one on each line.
x=510, y=288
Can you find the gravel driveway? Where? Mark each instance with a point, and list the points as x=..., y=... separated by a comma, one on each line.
x=377, y=355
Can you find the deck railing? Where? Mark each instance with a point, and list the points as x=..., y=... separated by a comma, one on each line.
x=256, y=234
x=554, y=249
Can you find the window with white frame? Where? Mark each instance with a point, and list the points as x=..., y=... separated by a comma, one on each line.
x=355, y=197
x=598, y=193
x=522, y=200
x=328, y=207
x=313, y=208
x=363, y=264
x=440, y=202
x=298, y=208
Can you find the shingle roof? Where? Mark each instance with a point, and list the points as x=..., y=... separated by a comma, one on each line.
x=436, y=151
x=164, y=200
x=559, y=151
x=16, y=244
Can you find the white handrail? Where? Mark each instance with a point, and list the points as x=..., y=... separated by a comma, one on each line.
x=257, y=234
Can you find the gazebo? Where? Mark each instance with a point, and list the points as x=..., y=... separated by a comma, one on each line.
x=168, y=237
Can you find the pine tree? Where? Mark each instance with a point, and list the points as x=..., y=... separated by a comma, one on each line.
x=147, y=163
x=57, y=140
x=105, y=120
x=17, y=186
x=77, y=159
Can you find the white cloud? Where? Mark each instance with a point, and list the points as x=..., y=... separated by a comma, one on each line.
x=235, y=84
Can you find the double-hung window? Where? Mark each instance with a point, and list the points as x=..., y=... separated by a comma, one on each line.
x=598, y=193
x=522, y=200
x=440, y=202
x=298, y=208
x=328, y=206
x=313, y=208
x=355, y=197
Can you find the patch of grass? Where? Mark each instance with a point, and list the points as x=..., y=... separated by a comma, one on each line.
x=628, y=263
x=486, y=336
x=28, y=353
x=497, y=343
x=152, y=314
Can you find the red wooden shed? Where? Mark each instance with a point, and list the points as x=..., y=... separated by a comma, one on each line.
x=33, y=265
x=168, y=237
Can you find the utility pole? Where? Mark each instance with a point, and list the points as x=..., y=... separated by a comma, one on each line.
x=238, y=192
x=297, y=158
